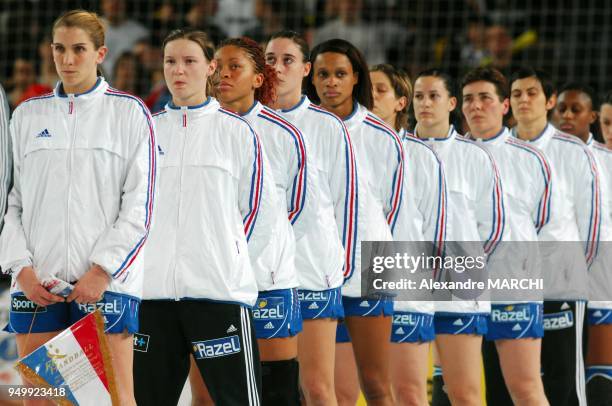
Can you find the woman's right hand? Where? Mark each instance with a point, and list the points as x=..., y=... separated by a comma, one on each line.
x=33, y=290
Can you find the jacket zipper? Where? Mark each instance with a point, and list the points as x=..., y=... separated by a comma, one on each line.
x=178, y=209
x=72, y=119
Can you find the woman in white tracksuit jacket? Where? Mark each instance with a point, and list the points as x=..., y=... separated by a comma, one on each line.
x=516, y=321
x=475, y=217
x=340, y=81
x=246, y=85
x=80, y=208
x=327, y=250
x=575, y=112
x=216, y=195
x=426, y=206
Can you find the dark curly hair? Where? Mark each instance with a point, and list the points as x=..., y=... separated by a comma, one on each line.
x=266, y=93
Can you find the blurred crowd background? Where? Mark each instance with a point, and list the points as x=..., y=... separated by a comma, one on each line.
x=572, y=40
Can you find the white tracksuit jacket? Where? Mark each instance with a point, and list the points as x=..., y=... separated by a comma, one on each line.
x=424, y=214
x=328, y=247
x=527, y=179
x=571, y=238
x=475, y=203
x=84, y=179
x=285, y=147
x=215, y=193
x=379, y=155
x=6, y=163
x=600, y=275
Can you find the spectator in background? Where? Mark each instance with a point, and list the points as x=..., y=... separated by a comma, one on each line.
x=129, y=75
x=23, y=76
x=269, y=19
x=121, y=33
x=149, y=59
x=47, y=75
x=274, y=16
x=498, y=46
x=236, y=16
x=372, y=38
x=201, y=17
x=473, y=49
x=166, y=17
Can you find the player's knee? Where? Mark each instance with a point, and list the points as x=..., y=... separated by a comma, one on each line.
x=347, y=395
x=463, y=393
x=375, y=386
x=524, y=388
x=411, y=393
x=317, y=391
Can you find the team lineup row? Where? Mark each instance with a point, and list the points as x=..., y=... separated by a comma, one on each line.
x=223, y=234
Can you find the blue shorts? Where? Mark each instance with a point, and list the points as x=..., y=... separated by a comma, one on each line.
x=460, y=323
x=599, y=316
x=514, y=321
x=342, y=333
x=276, y=314
x=321, y=304
x=411, y=327
x=120, y=314
x=362, y=307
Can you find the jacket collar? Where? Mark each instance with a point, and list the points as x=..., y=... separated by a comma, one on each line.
x=356, y=117
x=438, y=143
x=186, y=114
x=300, y=106
x=497, y=139
x=542, y=139
x=98, y=88
x=252, y=112
x=590, y=140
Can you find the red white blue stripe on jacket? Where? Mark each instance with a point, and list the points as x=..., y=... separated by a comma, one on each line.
x=499, y=211
x=592, y=243
x=349, y=228
x=123, y=268
x=298, y=193
x=439, y=237
x=250, y=218
x=543, y=214
x=395, y=202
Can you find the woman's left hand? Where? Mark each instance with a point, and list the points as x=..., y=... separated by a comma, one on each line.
x=91, y=287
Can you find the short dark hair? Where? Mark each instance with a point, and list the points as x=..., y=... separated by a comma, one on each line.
x=449, y=82
x=487, y=74
x=362, y=91
x=297, y=39
x=540, y=75
x=451, y=87
x=580, y=87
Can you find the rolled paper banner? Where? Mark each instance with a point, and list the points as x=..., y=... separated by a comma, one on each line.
x=78, y=360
